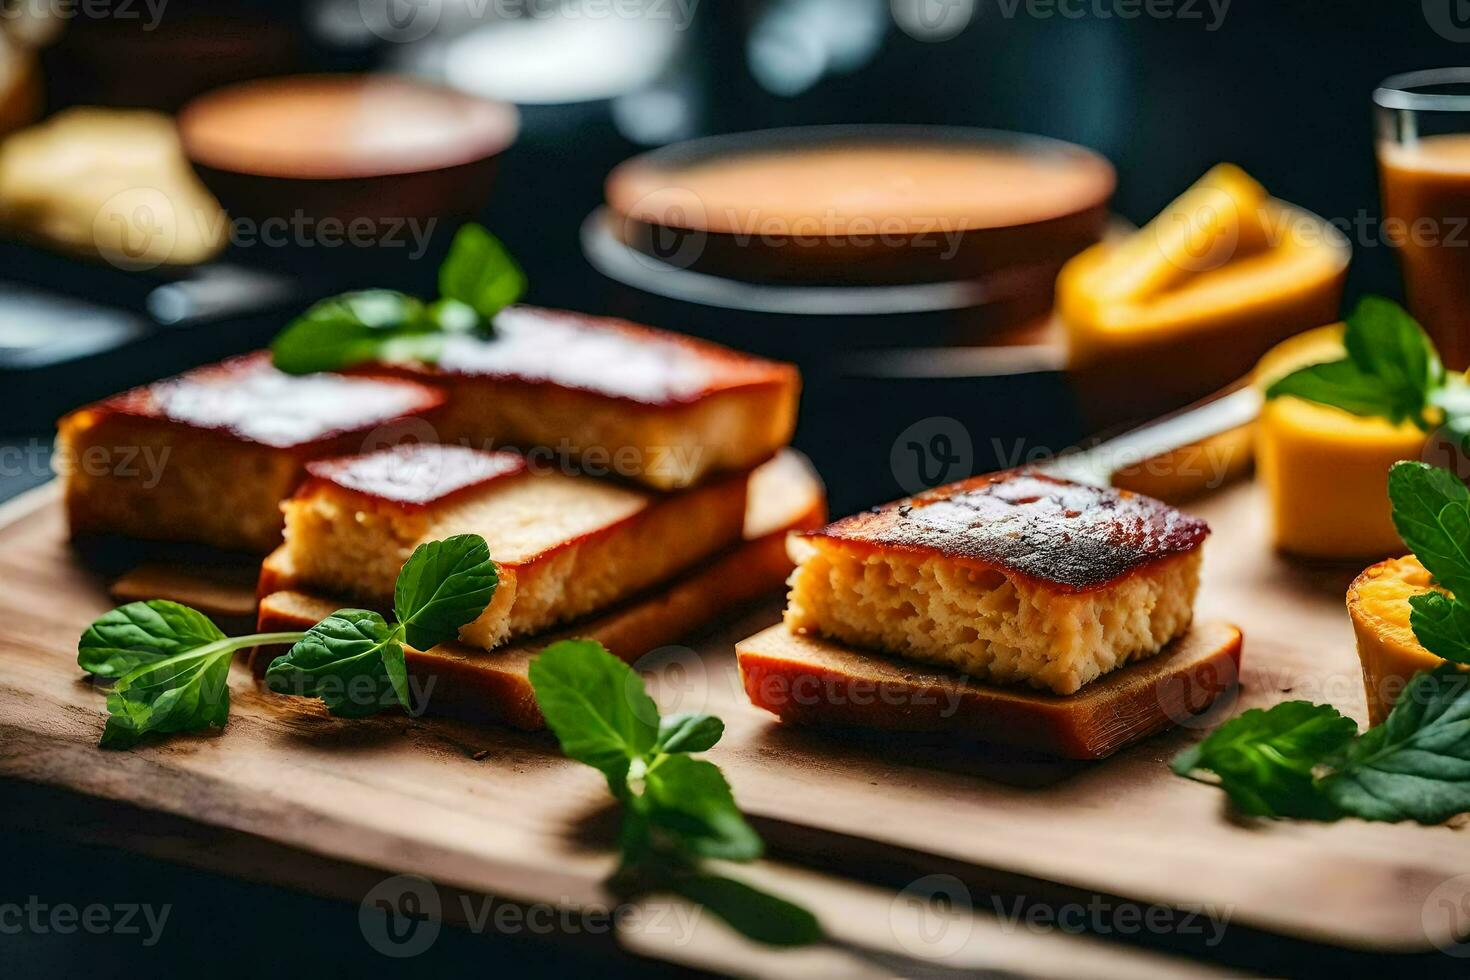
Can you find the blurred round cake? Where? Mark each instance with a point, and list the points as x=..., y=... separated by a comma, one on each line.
x=347, y=146
x=861, y=205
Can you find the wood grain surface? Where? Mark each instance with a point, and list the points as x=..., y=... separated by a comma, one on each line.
x=500, y=812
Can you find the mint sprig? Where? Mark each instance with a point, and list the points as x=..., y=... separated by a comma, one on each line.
x=172, y=663
x=1391, y=370
x=1266, y=760
x=480, y=273
x=142, y=632
x=1416, y=765
x=353, y=660
x=477, y=279
x=1307, y=761
x=676, y=810
x=1431, y=512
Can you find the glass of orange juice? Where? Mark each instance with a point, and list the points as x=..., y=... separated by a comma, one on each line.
x=1423, y=124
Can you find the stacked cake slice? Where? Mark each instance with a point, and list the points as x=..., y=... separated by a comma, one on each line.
x=648, y=490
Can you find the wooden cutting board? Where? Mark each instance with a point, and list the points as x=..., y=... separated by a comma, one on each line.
x=500, y=812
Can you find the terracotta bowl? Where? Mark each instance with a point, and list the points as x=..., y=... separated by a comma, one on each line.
x=861, y=205
x=380, y=147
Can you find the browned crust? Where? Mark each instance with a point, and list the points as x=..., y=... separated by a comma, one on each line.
x=803, y=680
x=495, y=687
x=352, y=476
x=1066, y=536
x=140, y=405
x=731, y=370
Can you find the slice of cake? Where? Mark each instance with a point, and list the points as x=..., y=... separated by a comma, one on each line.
x=565, y=545
x=785, y=495
x=1010, y=578
x=208, y=456
x=621, y=399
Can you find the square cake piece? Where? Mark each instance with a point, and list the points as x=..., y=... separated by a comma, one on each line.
x=1014, y=578
x=565, y=545
x=784, y=495
x=623, y=400
x=208, y=456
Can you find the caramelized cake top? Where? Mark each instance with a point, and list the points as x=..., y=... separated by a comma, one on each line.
x=1072, y=536
x=413, y=475
x=605, y=356
x=248, y=399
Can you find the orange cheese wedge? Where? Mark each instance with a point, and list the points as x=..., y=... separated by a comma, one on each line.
x=1217, y=218
x=1185, y=306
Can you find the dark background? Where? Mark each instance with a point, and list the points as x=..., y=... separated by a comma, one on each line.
x=1281, y=88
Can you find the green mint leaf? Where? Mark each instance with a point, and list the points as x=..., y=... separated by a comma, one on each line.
x=750, y=911
x=1383, y=339
x=689, y=732
x=1265, y=759
x=676, y=809
x=690, y=798
x=443, y=586
x=1431, y=512
x=142, y=632
x=352, y=660
x=597, y=707
x=1392, y=370
x=1441, y=625
x=480, y=273
x=375, y=324
x=1340, y=384
x=1416, y=765
x=186, y=692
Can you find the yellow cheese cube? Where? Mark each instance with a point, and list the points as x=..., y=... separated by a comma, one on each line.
x=1325, y=471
